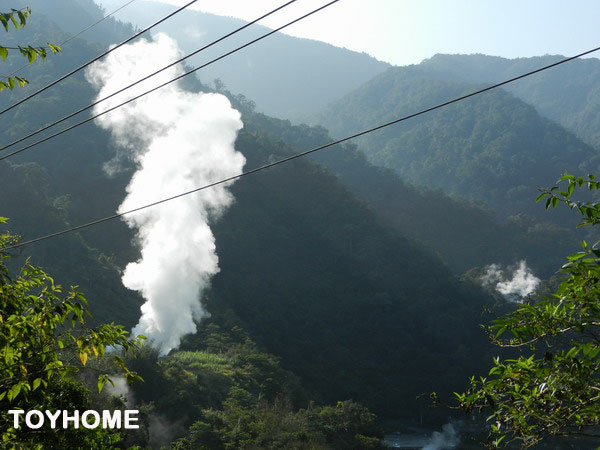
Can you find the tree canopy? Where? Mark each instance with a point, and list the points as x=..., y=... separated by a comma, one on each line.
x=555, y=390
x=44, y=343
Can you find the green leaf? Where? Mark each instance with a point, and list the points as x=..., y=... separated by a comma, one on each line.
x=13, y=392
x=22, y=18
x=576, y=256
x=4, y=21
x=101, y=382
x=14, y=21
x=54, y=48
x=541, y=196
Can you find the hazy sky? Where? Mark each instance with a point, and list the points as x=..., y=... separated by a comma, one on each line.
x=408, y=31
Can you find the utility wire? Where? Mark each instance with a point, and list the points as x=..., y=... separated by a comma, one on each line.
x=97, y=58
x=297, y=155
x=97, y=22
x=47, y=138
x=14, y=72
x=141, y=80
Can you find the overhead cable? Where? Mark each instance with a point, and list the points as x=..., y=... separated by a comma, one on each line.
x=297, y=155
x=89, y=27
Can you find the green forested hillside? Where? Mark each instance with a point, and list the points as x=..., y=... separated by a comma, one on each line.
x=316, y=280
x=350, y=305
x=464, y=234
x=493, y=148
x=25, y=199
x=568, y=94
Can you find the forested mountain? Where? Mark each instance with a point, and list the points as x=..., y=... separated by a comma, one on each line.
x=463, y=233
x=493, y=148
x=349, y=304
x=286, y=76
x=337, y=277
x=568, y=94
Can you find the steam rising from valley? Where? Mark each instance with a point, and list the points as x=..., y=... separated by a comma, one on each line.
x=178, y=141
x=513, y=286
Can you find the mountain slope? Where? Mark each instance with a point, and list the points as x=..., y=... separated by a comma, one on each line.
x=69, y=259
x=429, y=217
x=492, y=148
x=568, y=94
x=463, y=233
x=286, y=76
x=345, y=301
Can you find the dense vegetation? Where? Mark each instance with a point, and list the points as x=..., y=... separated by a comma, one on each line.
x=429, y=215
x=554, y=390
x=315, y=309
x=45, y=344
x=492, y=148
x=568, y=94
x=227, y=393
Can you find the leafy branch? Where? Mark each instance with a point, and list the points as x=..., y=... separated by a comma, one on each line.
x=6, y=18
x=18, y=18
x=555, y=390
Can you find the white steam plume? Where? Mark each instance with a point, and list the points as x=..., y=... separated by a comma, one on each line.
x=120, y=388
x=448, y=438
x=513, y=287
x=178, y=141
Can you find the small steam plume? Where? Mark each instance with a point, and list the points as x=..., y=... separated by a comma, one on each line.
x=448, y=438
x=120, y=388
x=513, y=287
x=178, y=141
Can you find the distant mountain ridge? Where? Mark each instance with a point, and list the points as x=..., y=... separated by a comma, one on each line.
x=286, y=76
x=568, y=94
x=493, y=148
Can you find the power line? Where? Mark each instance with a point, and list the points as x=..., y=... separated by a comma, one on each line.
x=299, y=155
x=140, y=80
x=47, y=138
x=96, y=58
x=97, y=22
x=79, y=33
